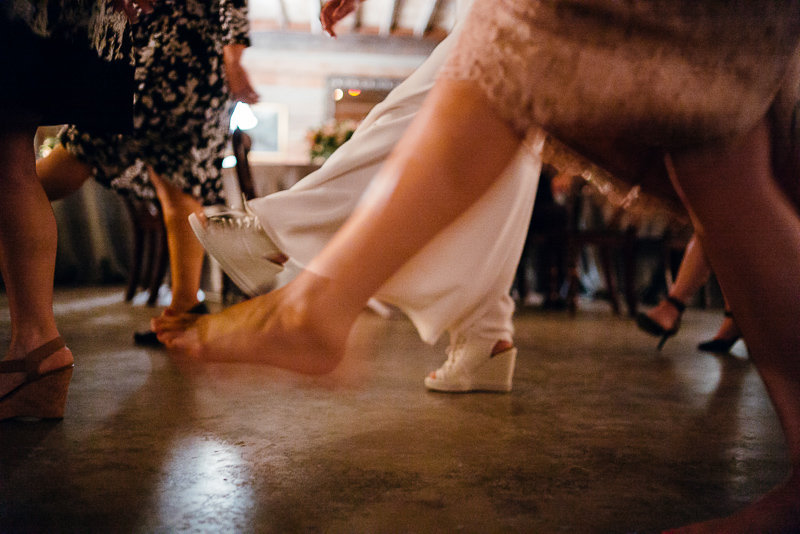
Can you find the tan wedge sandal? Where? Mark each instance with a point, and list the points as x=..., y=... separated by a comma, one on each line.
x=42, y=395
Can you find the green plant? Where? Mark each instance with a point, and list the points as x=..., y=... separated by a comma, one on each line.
x=324, y=140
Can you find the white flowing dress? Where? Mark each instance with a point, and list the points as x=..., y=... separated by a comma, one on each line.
x=458, y=283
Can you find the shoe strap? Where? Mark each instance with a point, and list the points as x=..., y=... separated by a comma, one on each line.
x=199, y=309
x=680, y=306
x=30, y=363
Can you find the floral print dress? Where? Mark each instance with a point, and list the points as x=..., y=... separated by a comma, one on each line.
x=181, y=107
x=66, y=61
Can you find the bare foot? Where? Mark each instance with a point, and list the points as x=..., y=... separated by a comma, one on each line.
x=173, y=322
x=302, y=327
x=776, y=512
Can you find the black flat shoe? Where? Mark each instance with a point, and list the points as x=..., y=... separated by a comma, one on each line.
x=719, y=346
x=148, y=338
x=648, y=325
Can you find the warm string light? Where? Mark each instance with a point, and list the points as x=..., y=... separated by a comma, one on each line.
x=338, y=94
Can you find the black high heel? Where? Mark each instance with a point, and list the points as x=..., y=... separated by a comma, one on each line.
x=719, y=346
x=648, y=325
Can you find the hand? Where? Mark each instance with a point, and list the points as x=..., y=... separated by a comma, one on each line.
x=238, y=81
x=239, y=85
x=335, y=10
x=131, y=8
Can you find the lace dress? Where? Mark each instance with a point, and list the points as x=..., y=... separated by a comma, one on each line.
x=653, y=74
x=65, y=60
x=182, y=106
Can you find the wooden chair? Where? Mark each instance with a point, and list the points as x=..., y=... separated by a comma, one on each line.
x=241, y=143
x=150, y=254
x=241, y=149
x=610, y=238
x=545, y=244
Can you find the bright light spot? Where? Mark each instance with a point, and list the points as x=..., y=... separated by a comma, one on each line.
x=243, y=117
x=354, y=92
x=229, y=162
x=338, y=94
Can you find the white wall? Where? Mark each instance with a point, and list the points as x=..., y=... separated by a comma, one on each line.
x=296, y=79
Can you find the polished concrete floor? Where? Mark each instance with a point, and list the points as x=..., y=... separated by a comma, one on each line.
x=602, y=433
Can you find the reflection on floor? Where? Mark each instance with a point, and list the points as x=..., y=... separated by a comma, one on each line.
x=601, y=434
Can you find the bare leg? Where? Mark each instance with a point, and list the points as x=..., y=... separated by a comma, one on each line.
x=442, y=166
x=185, y=251
x=752, y=238
x=694, y=271
x=27, y=248
x=61, y=173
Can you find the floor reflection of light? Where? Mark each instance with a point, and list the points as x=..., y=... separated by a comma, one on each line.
x=206, y=481
x=71, y=306
x=82, y=305
x=699, y=379
x=110, y=319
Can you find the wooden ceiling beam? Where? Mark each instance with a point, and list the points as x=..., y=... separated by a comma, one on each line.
x=358, y=16
x=283, y=14
x=425, y=17
x=388, y=22
x=314, y=10
x=357, y=43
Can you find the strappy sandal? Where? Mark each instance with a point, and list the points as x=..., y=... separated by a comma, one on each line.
x=42, y=395
x=648, y=325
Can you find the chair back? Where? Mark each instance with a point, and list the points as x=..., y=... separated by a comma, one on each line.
x=241, y=149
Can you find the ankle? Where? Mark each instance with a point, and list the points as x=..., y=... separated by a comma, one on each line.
x=678, y=303
x=323, y=296
x=32, y=338
x=181, y=305
x=56, y=360
x=665, y=313
x=728, y=329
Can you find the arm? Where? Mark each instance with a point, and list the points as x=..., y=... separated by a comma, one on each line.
x=235, y=36
x=238, y=81
x=335, y=10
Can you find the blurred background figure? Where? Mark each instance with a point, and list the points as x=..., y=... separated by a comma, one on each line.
x=81, y=76
x=188, y=78
x=664, y=320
